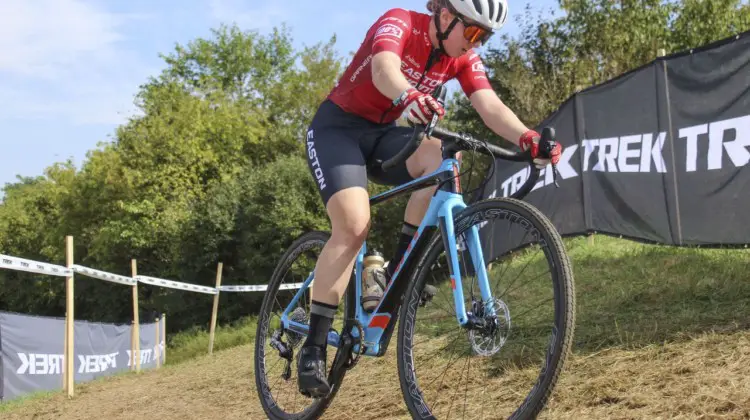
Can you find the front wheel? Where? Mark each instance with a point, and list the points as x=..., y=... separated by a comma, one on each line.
x=507, y=362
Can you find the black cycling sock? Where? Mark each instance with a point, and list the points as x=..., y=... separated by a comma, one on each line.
x=407, y=234
x=321, y=318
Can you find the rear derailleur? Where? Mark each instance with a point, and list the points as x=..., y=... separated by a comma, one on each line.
x=285, y=352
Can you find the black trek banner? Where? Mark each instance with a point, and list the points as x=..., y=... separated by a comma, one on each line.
x=659, y=154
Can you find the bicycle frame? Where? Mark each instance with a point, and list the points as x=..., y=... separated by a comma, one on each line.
x=446, y=202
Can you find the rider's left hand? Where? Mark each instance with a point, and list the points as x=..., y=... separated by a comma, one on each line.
x=530, y=139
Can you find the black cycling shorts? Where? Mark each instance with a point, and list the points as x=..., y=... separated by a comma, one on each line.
x=340, y=146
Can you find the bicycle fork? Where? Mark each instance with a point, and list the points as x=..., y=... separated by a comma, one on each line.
x=472, y=243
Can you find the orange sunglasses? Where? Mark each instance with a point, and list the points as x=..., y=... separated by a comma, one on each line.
x=473, y=32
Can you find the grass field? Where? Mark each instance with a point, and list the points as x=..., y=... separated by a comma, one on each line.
x=661, y=332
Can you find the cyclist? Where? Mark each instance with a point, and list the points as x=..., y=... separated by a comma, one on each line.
x=404, y=57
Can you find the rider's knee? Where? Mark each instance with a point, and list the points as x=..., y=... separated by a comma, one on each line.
x=432, y=154
x=349, y=213
x=352, y=231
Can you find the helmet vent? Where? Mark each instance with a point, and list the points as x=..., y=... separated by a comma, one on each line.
x=478, y=6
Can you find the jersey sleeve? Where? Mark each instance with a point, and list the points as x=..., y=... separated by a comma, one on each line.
x=392, y=31
x=471, y=74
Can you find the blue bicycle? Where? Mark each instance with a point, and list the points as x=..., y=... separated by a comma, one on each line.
x=490, y=343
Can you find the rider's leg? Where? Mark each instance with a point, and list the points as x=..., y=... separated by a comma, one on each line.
x=349, y=212
x=337, y=164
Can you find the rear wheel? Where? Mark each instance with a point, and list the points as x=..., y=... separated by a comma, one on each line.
x=277, y=349
x=507, y=364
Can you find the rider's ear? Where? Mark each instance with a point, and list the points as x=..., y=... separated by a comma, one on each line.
x=446, y=17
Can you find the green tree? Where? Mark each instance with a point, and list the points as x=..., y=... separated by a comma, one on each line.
x=282, y=87
x=701, y=22
x=30, y=219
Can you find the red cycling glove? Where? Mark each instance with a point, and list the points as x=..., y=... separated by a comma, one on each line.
x=530, y=140
x=420, y=107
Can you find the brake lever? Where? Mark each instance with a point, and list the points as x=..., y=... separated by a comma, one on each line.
x=439, y=95
x=546, y=146
x=554, y=175
x=431, y=126
x=548, y=152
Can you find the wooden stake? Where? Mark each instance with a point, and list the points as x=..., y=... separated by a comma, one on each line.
x=136, y=321
x=132, y=345
x=164, y=336
x=158, y=347
x=65, y=358
x=69, y=354
x=215, y=310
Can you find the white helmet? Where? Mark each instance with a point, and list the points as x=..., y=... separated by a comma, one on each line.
x=488, y=13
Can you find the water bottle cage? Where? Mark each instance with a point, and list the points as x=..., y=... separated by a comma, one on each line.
x=379, y=277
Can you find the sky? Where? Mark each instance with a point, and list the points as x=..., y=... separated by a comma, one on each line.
x=69, y=69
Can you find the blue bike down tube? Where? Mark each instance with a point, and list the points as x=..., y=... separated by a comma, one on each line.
x=377, y=322
x=449, y=241
x=359, y=267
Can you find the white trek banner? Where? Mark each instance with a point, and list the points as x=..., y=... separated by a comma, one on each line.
x=31, y=349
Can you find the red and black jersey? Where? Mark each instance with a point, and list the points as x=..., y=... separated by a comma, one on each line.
x=405, y=33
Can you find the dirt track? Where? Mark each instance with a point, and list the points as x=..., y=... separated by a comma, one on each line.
x=707, y=377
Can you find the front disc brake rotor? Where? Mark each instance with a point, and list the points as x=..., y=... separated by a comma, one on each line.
x=490, y=339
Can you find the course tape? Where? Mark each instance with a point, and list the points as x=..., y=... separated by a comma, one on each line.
x=258, y=288
x=15, y=263
x=103, y=275
x=177, y=285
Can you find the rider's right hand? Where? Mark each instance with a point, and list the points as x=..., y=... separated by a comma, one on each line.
x=530, y=140
x=421, y=107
